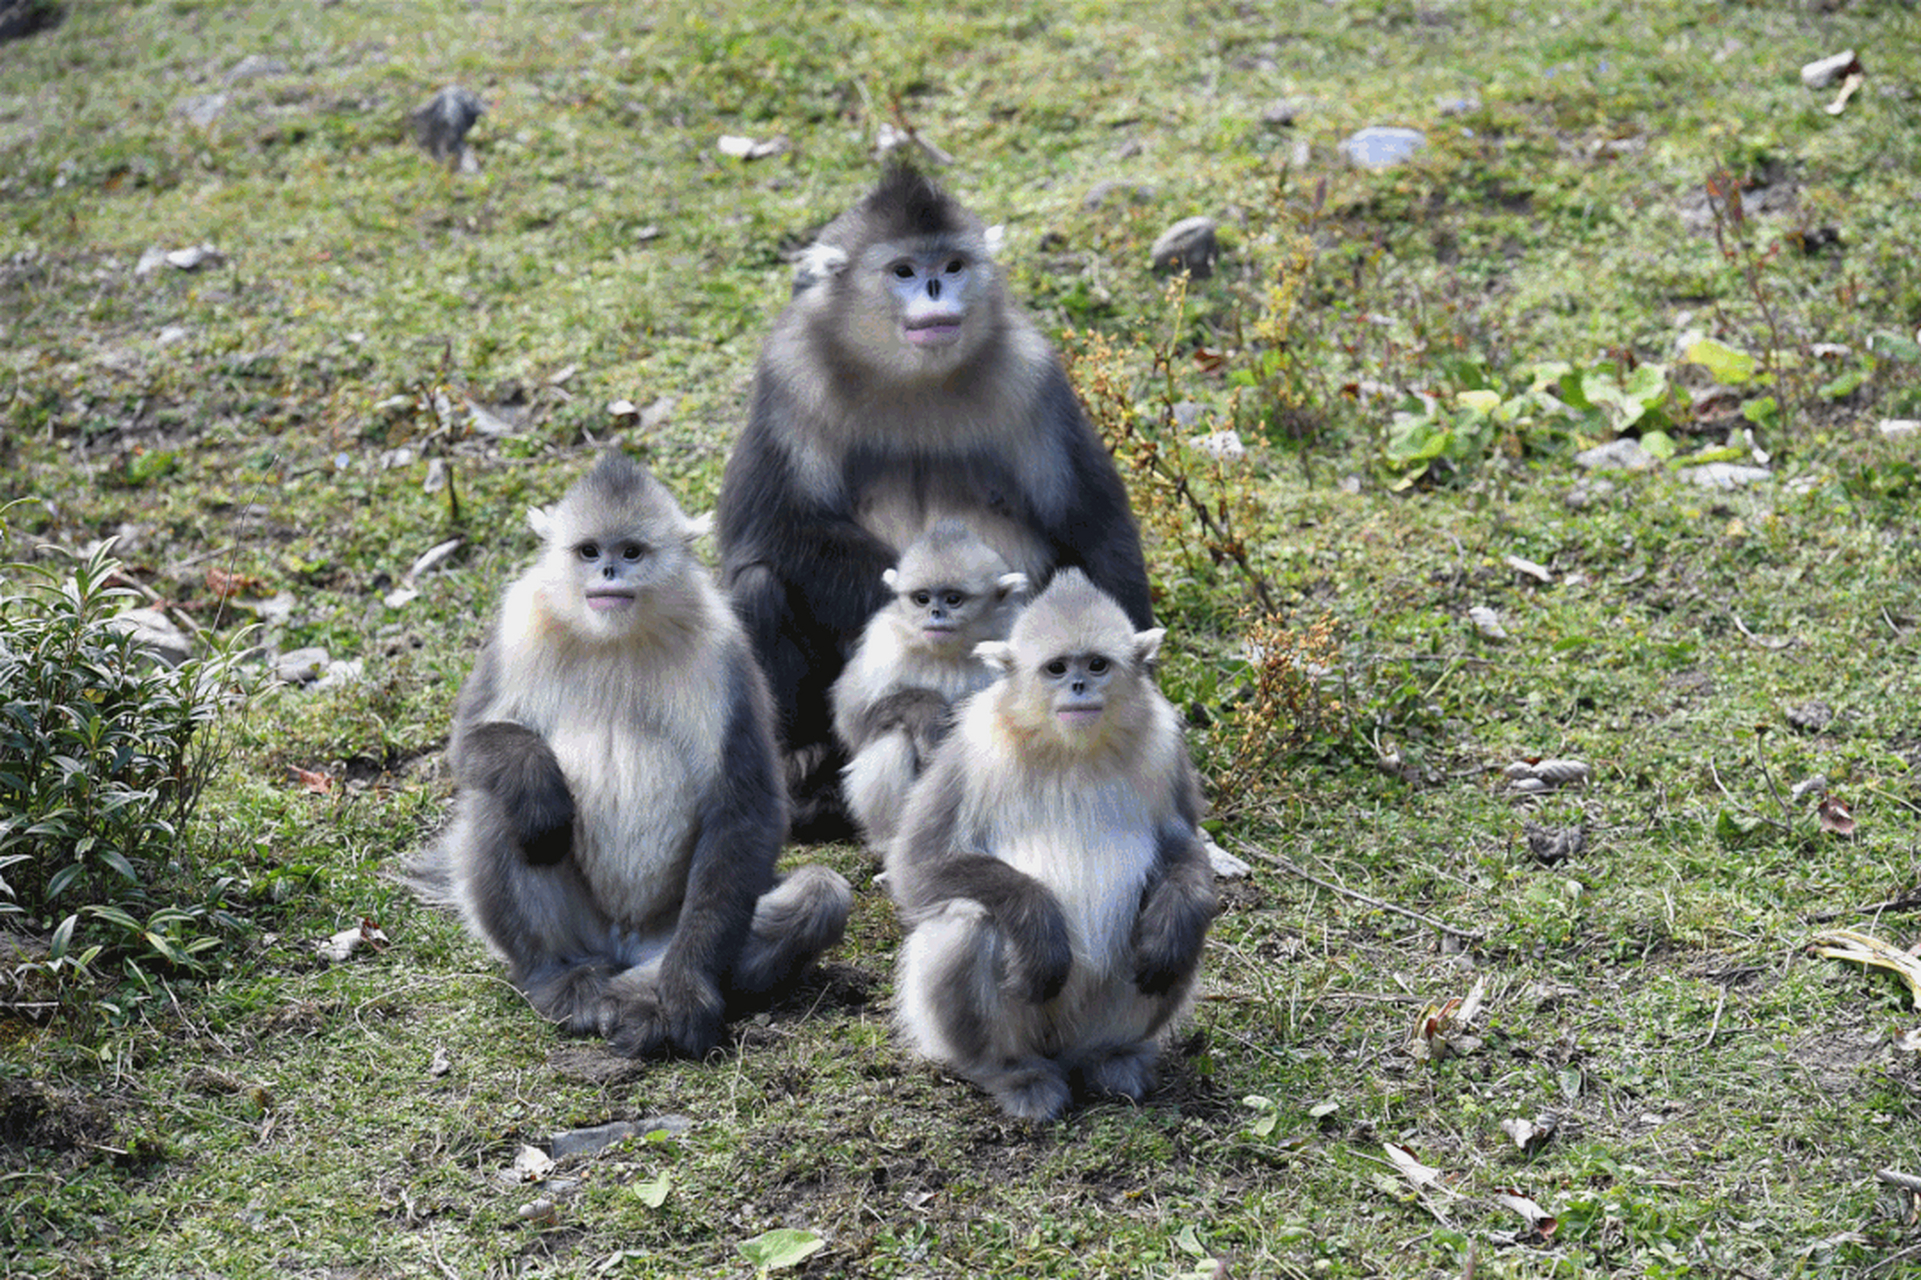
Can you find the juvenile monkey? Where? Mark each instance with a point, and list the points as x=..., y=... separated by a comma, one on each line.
x=899, y=388
x=1049, y=868
x=620, y=806
x=915, y=660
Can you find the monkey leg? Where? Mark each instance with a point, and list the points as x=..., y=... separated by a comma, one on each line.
x=649, y=1013
x=876, y=782
x=794, y=922
x=541, y=920
x=956, y=1011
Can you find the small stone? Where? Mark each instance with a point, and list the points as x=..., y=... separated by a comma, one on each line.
x=302, y=666
x=1190, y=244
x=1382, y=146
x=1725, y=475
x=1625, y=454
x=441, y=124
x=155, y=633
x=203, y=110
x=255, y=66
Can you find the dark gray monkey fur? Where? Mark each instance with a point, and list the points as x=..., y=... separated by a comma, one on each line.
x=620, y=807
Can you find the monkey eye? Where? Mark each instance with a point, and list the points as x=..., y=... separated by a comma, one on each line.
x=1058, y=667
x=921, y=598
x=955, y=599
x=1097, y=664
x=588, y=551
x=957, y=266
x=632, y=551
x=903, y=271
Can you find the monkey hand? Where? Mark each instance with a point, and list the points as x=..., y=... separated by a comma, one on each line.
x=668, y=1015
x=923, y=715
x=1040, y=952
x=1168, y=936
x=515, y=766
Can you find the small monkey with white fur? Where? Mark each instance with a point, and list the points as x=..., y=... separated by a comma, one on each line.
x=621, y=805
x=1049, y=868
x=916, y=659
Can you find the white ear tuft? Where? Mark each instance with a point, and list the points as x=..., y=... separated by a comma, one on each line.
x=997, y=654
x=540, y=522
x=1009, y=584
x=996, y=237
x=817, y=262
x=1147, y=645
x=891, y=579
x=698, y=527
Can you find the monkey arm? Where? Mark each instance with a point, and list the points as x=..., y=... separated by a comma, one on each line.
x=515, y=766
x=742, y=822
x=929, y=865
x=1096, y=530
x=922, y=714
x=1176, y=908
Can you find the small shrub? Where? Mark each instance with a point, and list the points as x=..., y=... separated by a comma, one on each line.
x=103, y=754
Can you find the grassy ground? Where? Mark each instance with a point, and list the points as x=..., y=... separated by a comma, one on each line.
x=1720, y=1101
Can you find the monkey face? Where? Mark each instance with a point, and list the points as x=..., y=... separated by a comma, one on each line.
x=944, y=617
x=931, y=291
x=1076, y=688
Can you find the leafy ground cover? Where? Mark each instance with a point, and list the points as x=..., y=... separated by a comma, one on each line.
x=1628, y=221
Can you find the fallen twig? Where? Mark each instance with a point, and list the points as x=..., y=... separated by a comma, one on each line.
x=1275, y=859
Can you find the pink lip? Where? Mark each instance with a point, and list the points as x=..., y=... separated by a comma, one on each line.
x=934, y=334
x=605, y=601
x=1078, y=715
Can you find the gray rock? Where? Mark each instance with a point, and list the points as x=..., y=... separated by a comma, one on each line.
x=1118, y=188
x=302, y=666
x=1725, y=475
x=156, y=633
x=441, y=125
x=255, y=66
x=203, y=109
x=1382, y=146
x=1625, y=454
x=1190, y=245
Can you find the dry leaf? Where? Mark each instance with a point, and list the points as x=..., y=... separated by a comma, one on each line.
x=1539, y=1221
x=1530, y=1135
x=1835, y=816
x=532, y=1164
x=347, y=941
x=313, y=780
x=1411, y=1168
x=1846, y=944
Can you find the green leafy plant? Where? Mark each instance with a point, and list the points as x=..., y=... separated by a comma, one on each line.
x=104, y=751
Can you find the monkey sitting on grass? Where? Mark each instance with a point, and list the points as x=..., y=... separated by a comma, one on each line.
x=621, y=804
x=1049, y=868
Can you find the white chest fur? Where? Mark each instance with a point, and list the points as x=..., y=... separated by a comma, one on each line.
x=638, y=734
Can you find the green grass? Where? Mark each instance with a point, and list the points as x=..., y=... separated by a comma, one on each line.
x=1724, y=1100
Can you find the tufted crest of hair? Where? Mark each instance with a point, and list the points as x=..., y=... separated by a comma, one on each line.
x=909, y=203
x=949, y=554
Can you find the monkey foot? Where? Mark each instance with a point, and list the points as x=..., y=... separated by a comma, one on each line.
x=1035, y=1093
x=1127, y=1072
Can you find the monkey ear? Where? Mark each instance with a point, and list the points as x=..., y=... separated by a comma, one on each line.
x=698, y=527
x=540, y=522
x=1010, y=584
x=818, y=262
x=995, y=237
x=1147, y=645
x=997, y=654
x=891, y=579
